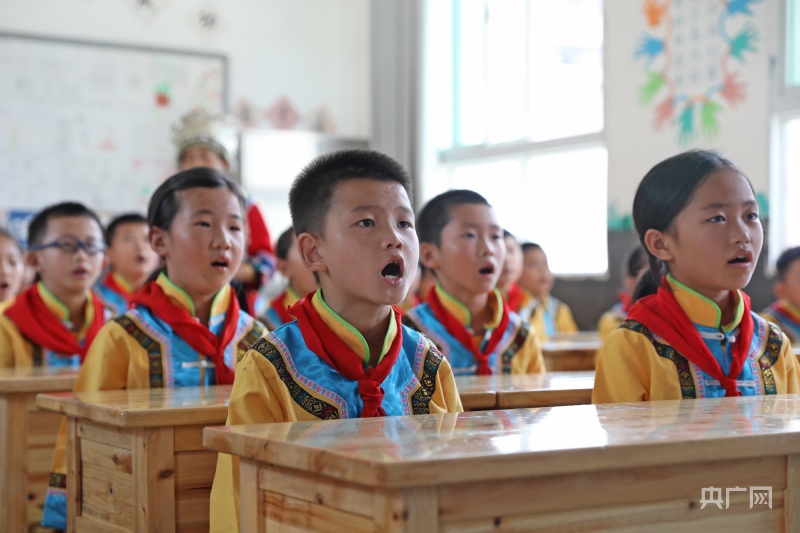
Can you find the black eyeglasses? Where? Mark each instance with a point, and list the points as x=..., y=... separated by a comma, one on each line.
x=70, y=245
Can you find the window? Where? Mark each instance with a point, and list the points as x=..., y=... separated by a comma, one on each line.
x=527, y=128
x=792, y=44
x=535, y=199
x=784, y=227
x=527, y=70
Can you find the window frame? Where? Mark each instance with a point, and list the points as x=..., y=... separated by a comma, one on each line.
x=786, y=98
x=785, y=108
x=522, y=149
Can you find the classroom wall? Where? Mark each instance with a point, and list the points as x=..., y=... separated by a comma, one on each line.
x=315, y=53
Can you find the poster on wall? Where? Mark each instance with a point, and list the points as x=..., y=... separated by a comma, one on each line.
x=692, y=53
x=91, y=122
x=17, y=225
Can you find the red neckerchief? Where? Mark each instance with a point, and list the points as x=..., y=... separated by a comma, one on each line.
x=514, y=297
x=662, y=315
x=327, y=345
x=35, y=320
x=625, y=300
x=281, y=308
x=193, y=333
x=787, y=313
x=457, y=330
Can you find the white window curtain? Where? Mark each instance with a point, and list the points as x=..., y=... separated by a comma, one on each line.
x=396, y=46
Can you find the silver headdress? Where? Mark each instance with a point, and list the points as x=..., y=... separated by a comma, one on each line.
x=220, y=133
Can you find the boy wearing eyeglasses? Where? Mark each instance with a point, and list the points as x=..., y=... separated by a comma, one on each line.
x=54, y=321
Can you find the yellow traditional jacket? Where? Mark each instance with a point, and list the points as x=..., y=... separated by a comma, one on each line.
x=550, y=317
x=16, y=350
x=518, y=352
x=635, y=365
x=281, y=380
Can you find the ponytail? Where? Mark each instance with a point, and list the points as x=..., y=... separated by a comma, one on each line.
x=651, y=279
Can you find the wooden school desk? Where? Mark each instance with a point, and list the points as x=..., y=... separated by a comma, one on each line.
x=525, y=390
x=567, y=352
x=617, y=467
x=135, y=460
x=27, y=439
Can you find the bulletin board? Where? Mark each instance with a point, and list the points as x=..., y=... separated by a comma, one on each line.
x=91, y=122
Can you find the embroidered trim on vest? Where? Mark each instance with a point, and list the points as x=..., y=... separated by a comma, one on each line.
x=421, y=399
x=256, y=331
x=312, y=405
x=150, y=345
x=416, y=323
x=57, y=480
x=38, y=360
x=688, y=389
x=516, y=344
x=767, y=360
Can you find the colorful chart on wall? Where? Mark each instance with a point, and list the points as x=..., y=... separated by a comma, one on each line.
x=91, y=122
x=693, y=52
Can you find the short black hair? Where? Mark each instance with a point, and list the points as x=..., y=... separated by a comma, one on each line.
x=438, y=212
x=284, y=244
x=164, y=204
x=312, y=191
x=38, y=226
x=116, y=222
x=530, y=246
x=785, y=261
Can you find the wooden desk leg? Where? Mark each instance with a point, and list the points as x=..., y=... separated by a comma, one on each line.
x=251, y=499
x=154, y=480
x=791, y=497
x=13, y=463
x=73, y=473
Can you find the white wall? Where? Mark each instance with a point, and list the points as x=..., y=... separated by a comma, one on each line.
x=634, y=146
x=314, y=52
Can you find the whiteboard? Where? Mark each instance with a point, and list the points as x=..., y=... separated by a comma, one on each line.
x=91, y=122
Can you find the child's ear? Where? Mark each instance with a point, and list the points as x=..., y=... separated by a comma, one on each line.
x=308, y=246
x=32, y=260
x=658, y=243
x=159, y=240
x=429, y=255
x=283, y=267
x=780, y=290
